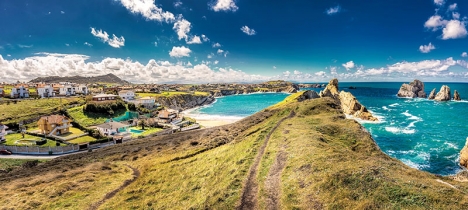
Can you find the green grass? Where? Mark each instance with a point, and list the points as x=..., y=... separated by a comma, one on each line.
x=88, y=119
x=72, y=133
x=9, y=164
x=12, y=138
x=83, y=139
x=27, y=109
x=147, y=131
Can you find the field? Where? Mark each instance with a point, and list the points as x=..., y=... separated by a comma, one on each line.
x=28, y=109
x=83, y=139
x=146, y=132
x=296, y=155
x=12, y=138
x=88, y=119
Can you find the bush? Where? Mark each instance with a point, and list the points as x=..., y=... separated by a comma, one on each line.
x=42, y=142
x=104, y=107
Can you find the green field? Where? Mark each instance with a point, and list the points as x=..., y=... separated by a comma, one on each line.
x=27, y=109
x=147, y=131
x=11, y=140
x=83, y=139
x=88, y=119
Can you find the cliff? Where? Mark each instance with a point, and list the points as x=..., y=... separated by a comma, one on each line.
x=290, y=88
x=184, y=101
x=297, y=155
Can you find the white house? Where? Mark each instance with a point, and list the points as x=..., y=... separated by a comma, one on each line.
x=81, y=89
x=147, y=102
x=45, y=91
x=127, y=95
x=3, y=132
x=20, y=91
x=112, y=128
x=67, y=90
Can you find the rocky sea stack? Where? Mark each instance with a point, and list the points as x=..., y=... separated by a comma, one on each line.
x=456, y=96
x=464, y=155
x=414, y=89
x=444, y=94
x=432, y=94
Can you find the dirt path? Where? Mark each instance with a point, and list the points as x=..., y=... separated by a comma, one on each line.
x=249, y=195
x=273, y=181
x=111, y=194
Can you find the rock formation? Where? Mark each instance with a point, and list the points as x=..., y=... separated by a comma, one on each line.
x=464, y=155
x=414, y=89
x=351, y=106
x=456, y=96
x=444, y=94
x=432, y=94
x=309, y=94
x=331, y=90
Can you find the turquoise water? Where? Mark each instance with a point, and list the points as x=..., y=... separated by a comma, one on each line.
x=423, y=134
x=237, y=106
x=136, y=131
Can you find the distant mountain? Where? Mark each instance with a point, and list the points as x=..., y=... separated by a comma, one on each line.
x=108, y=78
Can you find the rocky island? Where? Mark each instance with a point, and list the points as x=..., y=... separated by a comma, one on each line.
x=415, y=89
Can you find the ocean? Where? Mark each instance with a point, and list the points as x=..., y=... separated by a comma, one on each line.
x=423, y=134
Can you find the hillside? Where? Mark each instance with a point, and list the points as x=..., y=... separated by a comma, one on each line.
x=294, y=155
x=103, y=79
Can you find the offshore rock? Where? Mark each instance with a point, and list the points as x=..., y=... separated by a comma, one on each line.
x=464, y=155
x=432, y=94
x=444, y=94
x=414, y=89
x=351, y=106
x=456, y=96
x=331, y=90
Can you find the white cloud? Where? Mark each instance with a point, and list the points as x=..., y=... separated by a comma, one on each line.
x=216, y=62
x=155, y=44
x=66, y=44
x=148, y=9
x=88, y=44
x=333, y=10
x=452, y=7
x=195, y=40
x=248, y=31
x=62, y=12
x=205, y=38
x=464, y=54
x=216, y=45
x=349, y=65
x=179, y=52
x=439, y=2
x=274, y=67
x=115, y=41
x=224, y=5
x=456, y=15
x=211, y=55
x=25, y=46
x=435, y=22
x=220, y=51
x=320, y=73
x=454, y=30
x=333, y=70
x=48, y=64
x=178, y=3
x=426, y=48
x=226, y=53
x=182, y=27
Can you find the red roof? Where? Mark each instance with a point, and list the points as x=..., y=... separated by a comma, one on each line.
x=54, y=119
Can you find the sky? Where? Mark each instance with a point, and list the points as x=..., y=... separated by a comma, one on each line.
x=211, y=41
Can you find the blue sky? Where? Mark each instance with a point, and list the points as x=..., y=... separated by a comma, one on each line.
x=184, y=41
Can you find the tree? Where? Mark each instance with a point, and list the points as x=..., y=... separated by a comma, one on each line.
x=142, y=123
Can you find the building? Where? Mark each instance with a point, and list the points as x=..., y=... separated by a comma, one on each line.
x=81, y=89
x=45, y=91
x=20, y=91
x=112, y=128
x=127, y=95
x=54, y=125
x=104, y=97
x=67, y=90
x=167, y=115
x=147, y=102
x=2, y=93
x=3, y=132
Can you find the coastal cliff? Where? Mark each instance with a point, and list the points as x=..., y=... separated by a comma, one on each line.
x=330, y=163
x=292, y=88
x=184, y=101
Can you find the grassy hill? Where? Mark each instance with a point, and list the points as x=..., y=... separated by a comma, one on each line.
x=295, y=155
x=103, y=79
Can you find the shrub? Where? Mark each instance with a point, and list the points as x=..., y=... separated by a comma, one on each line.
x=104, y=107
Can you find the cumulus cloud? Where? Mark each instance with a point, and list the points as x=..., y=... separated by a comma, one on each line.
x=435, y=22
x=454, y=29
x=195, y=40
x=426, y=48
x=248, y=31
x=115, y=41
x=182, y=28
x=49, y=64
x=178, y=4
x=224, y=5
x=220, y=51
x=179, y=52
x=211, y=55
x=439, y=2
x=464, y=54
x=452, y=7
x=216, y=45
x=333, y=10
x=149, y=10
x=349, y=65
x=320, y=74
x=205, y=38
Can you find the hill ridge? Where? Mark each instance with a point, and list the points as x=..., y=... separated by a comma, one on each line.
x=107, y=78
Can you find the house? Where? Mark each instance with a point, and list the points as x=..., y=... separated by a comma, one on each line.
x=20, y=91
x=67, y=90
x=54, y=125
x=3, y=132
x=167, y=115
x=104, y=97
x=111, y=128
x=81, y=89
x=45, y=91
x=127, y=95
x=2, y=93
x=147, y=102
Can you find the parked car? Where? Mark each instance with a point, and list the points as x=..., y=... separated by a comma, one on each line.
x=5, y=152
